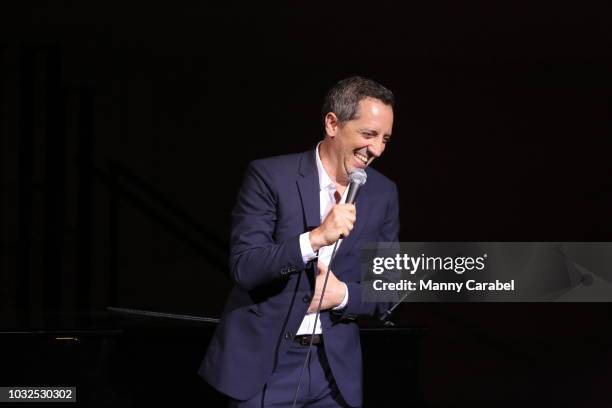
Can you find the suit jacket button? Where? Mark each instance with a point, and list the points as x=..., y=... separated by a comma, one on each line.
x=288, y=335
x=306, y=299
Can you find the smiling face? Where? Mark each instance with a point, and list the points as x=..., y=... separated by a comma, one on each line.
x=357, y=142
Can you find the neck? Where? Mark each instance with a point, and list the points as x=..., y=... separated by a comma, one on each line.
x=334, y=169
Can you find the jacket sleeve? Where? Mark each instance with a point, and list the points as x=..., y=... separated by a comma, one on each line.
x=255, y=258
x=389, y=232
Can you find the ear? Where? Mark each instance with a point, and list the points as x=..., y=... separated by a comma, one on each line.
x=331, y=124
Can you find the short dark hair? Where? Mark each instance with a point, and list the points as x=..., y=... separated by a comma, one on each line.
x=344, y=97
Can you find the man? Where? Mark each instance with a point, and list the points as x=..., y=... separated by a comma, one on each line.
x=289, y=212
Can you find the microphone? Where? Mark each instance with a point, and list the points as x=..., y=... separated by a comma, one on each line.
x=357, y=178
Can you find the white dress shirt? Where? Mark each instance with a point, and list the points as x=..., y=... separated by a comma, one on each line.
x=327, y=189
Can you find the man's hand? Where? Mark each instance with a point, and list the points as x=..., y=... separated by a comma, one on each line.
x=334, y=291
x=339, y=221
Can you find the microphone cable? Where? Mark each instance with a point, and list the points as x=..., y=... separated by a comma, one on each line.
x=314, y=328
x=358, y=178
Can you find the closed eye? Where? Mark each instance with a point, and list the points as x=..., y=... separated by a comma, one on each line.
x=368, y=134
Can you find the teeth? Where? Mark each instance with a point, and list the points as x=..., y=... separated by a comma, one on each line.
x=361, y=157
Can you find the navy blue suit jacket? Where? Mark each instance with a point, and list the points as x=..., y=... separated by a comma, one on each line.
x=278, y=201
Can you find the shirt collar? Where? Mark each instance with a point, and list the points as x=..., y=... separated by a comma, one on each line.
x=324, y=180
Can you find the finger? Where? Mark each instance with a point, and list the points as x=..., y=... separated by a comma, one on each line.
x=348, y=226
x=346, y=208
x=352, y=217
x=313, y=305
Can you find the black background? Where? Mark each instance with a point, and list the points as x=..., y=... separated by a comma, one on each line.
x=126, y=128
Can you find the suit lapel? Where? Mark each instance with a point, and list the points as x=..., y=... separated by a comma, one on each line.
x=308, y=185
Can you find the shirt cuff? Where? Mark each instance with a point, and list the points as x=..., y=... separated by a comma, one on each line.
x=305, y=247
x=345, y=300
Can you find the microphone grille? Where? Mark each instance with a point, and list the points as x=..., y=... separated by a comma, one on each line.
x=358, y=176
